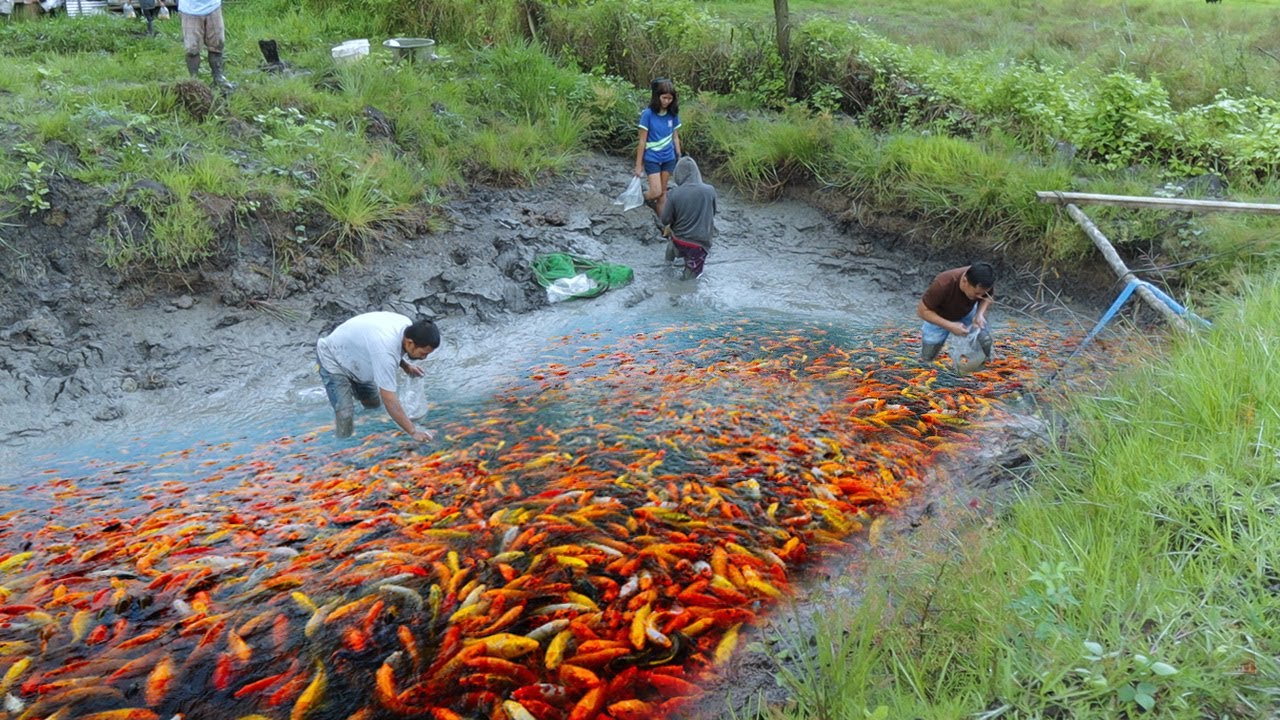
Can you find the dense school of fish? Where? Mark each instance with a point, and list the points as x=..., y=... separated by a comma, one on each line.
x=589, y=546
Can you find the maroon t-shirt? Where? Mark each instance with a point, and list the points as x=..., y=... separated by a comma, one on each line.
x=945, y=297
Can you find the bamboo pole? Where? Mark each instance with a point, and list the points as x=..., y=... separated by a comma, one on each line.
x=1132, y=201
x=1113, y=259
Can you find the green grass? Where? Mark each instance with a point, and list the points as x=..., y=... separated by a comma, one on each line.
x=1136, y=575
x=957, y=139
x=1194, y=47
x=176, y=234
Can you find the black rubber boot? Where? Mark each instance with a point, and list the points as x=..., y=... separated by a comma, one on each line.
x=215, y=66
x=271, y=54
x=193, y=65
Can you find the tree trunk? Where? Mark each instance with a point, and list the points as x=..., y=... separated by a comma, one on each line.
x=782, y=21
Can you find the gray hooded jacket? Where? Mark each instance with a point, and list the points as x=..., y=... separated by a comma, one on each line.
x=691, y=205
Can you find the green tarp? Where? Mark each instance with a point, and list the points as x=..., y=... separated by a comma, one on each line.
x=555, y=266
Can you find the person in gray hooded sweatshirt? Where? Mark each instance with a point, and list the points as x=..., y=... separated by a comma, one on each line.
x=688, y=217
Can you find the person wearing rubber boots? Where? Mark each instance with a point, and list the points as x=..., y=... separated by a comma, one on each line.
x=956, y=300
x=688, y=217
x=202, y=27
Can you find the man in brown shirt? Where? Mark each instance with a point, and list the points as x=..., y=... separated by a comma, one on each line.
x=956, y=300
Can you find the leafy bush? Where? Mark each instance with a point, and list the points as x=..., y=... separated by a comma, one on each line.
x=1125, y=122
x=611, y=106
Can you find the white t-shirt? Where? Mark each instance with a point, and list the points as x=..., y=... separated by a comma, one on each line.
x=366, y=348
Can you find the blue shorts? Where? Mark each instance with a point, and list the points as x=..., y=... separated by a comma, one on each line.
x=931, y=334
x=653, y=168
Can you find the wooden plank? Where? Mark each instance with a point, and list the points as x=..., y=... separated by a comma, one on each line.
x=1133, y=201
x=1122, y=270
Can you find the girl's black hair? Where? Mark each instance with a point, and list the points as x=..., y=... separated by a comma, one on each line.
x=662, y=86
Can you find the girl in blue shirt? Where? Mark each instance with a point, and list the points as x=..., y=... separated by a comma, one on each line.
x=659, y=146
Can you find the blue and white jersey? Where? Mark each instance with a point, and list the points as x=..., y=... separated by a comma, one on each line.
x=659, y=145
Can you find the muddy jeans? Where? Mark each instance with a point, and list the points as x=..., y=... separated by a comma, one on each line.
x=204, y=30
x=341, y=389
x=694, y=255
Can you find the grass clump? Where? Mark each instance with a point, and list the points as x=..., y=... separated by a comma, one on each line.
x=518, y=155
x=765, y=155
x=174, y=234
x=1137, y=575
x=356, y=202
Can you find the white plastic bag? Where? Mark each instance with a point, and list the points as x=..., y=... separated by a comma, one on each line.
x=632, y=197
x=966, y=353
x=412, y=394
x=565, y=288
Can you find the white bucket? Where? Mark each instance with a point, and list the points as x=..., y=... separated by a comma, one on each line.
x=350, y=50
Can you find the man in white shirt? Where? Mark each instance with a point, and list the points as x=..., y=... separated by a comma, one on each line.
x=359, y=358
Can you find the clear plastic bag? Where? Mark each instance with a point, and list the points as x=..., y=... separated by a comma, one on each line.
x=412, y=394
x=966, y=353
x=632, y=197
x=565, y=288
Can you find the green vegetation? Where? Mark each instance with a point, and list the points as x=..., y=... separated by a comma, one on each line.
x=1194, y=48
x=897, y=123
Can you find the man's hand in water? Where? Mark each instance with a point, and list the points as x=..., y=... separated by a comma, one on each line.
x=424, y=435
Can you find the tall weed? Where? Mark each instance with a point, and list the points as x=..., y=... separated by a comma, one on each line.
x=766, y=155
x=470, y=22
x=176, y=235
